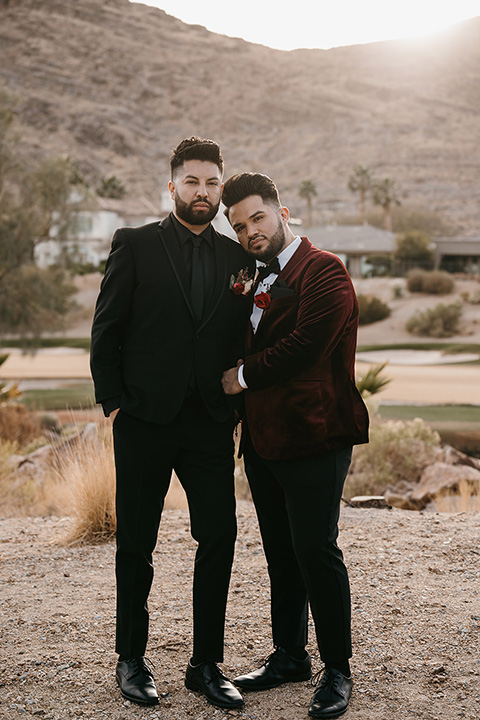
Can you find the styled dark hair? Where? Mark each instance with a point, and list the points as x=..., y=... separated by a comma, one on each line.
x=242, y=185
x=195, y=148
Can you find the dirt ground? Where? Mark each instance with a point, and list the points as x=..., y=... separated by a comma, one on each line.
x=415, y=588
x=416, y=621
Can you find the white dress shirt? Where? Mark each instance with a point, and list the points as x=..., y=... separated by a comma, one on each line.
x=264, y=286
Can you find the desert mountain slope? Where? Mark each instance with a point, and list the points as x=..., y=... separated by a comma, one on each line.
x=117, y=85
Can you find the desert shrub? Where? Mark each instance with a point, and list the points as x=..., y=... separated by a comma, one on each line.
x=372, y=309
x=18, y=495
x=434, y=282
x=397, y=451
x=18, y=424
x=472, y=298
x=440, y=322
x=415, y=280
x=438, y=282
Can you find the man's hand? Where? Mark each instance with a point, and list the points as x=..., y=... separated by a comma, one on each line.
x=113, y=415
x=230, y=383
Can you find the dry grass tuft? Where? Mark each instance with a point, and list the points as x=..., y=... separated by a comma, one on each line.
x=462, y=498
x=83, y=486
x=18, y=424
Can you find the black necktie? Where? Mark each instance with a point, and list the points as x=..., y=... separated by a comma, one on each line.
x=263, y=272
x=197, y=286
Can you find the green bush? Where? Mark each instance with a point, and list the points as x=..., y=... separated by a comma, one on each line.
x=413, y=245
x=397, y=451
x=372, y=309
x=434, y=282
x=439, y=322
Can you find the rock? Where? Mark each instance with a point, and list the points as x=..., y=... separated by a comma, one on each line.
x=452, y=456
x=441, y=479
x=369, y=501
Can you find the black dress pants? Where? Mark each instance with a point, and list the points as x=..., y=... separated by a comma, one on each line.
x=200, y=451
x=298, y=506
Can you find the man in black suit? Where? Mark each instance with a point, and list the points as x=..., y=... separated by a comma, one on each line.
x=169, y=320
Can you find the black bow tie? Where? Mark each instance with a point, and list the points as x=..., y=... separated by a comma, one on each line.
x=273, y=267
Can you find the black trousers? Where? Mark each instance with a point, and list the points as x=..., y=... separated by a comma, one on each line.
x=200, y=451
x=298, y=506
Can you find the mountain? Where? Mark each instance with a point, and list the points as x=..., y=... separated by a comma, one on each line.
x=118, y=84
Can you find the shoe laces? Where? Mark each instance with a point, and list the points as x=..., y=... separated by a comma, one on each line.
x=141, y=666
x=270, y=657
x=324, y=678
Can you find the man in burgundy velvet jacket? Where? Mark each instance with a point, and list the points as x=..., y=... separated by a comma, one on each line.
x=303, y=413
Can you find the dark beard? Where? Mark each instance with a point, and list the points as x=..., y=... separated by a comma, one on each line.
x=275, y=245
x=189, y=214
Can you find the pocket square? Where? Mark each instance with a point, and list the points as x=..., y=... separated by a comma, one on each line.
x=280, y=289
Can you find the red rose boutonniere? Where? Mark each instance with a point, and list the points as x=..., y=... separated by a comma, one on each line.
x=262, y=300
x=242, y=284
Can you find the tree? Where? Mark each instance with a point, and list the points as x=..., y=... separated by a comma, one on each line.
x=35, y=205
x=360, y=182
x=111, y=187
x=384, y=194
x=307, y=191
x=414, y=245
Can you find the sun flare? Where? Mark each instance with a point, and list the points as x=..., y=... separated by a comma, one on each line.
x=321, y=25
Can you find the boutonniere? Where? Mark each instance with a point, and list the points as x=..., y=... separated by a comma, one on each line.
x=242, y=284
x=262, y=300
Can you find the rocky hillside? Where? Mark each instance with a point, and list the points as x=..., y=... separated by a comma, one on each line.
x=117, y=85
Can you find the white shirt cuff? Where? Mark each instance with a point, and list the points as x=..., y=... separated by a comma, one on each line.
x=241, y=381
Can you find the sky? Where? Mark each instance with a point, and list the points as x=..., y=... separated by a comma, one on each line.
x=317, y=23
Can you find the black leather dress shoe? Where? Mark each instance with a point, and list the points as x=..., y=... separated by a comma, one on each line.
x=136, y=681
x=277, y=669
x=331, y=697
x=208, y=679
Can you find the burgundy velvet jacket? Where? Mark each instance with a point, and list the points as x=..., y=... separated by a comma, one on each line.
x=302, y=400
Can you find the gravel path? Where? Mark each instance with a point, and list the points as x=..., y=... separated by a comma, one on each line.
x=416, y=620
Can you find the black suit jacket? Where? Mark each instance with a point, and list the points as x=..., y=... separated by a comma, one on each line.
x=145, y=341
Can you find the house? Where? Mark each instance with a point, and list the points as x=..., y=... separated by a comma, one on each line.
x=94, y=227
x=352, y=243
x=457, y=254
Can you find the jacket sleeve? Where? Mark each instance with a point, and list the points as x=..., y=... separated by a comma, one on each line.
x=327, y=305
x=110, y=319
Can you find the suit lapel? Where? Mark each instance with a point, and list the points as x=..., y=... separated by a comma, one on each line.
x=283, y=280
x=172, y=248
x=220, y=278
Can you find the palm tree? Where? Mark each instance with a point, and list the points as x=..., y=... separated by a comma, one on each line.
x=384, y=194
x=306, y=191
x=360, y=181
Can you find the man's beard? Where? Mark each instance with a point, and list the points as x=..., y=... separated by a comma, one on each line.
x=193, y=216
x=275, y=245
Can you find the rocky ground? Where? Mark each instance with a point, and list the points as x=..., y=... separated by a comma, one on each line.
x=416, y=621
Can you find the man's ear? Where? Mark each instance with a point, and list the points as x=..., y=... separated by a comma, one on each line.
x=171, y=187
x=285, y=213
